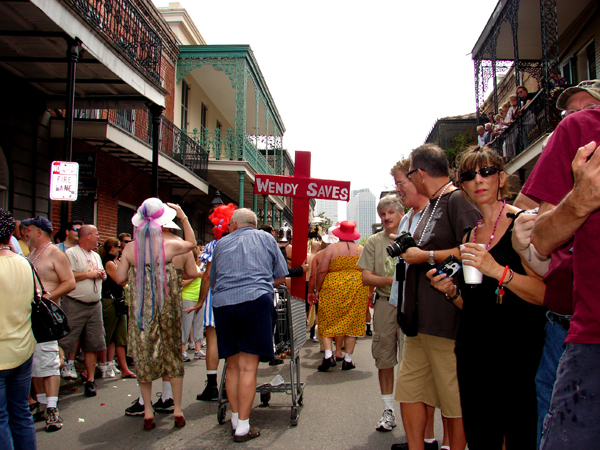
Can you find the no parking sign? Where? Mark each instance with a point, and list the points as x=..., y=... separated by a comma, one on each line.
x=64, y=180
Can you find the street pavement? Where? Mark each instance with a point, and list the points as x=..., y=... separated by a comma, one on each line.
x=340, y=411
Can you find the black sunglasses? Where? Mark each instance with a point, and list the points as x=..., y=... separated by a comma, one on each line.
x=484, y=172
x=126, y=242
x=410, y=172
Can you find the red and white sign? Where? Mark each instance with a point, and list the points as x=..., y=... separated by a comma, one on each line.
x=298, y=187
x=64, y=180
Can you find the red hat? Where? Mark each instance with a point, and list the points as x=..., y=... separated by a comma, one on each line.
x=347, y=231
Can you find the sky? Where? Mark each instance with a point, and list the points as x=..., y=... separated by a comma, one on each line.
x=358, y=84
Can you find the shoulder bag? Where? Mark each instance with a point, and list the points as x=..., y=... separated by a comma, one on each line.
x=48, y=321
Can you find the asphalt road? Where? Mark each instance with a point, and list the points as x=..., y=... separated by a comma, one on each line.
x=340, y=411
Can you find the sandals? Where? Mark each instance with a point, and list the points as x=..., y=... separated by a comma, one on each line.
x=253, y=433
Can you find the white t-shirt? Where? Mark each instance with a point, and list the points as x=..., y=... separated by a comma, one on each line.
x=90, y=289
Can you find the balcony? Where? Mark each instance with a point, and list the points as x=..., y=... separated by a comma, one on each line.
x=221, y=146
x=122, y=25
x=126, y=134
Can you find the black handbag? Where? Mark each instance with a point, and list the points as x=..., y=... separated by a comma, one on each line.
x=48, y=321
x=409, y=323
x=121, y=307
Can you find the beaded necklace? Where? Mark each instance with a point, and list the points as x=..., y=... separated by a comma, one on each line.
x=493, y=231
x=432, y=213
x=6, y=248
x=41, y=251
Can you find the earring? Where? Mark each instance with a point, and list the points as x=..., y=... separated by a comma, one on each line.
x=422, y=181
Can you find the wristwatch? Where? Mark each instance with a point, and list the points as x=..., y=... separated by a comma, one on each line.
x=431, y=258
x=456, y=295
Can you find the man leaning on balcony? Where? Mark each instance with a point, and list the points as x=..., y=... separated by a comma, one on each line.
x=568, y=189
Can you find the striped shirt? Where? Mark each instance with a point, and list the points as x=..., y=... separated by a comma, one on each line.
x=244, y=265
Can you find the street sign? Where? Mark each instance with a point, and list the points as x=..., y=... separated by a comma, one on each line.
x=64, y=178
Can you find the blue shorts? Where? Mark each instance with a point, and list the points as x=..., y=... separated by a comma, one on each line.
x=572, y=421
x=246, y=327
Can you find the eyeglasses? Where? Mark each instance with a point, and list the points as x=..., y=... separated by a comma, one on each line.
x=590, y=106
x=409, y=173
x=399, y=183
x=76, y=230
x=484, y=172
x=127, y=242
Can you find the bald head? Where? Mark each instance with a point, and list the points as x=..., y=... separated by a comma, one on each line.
x=88, y=237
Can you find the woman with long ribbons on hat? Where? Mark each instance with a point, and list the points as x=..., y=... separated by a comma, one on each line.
x=155, y=304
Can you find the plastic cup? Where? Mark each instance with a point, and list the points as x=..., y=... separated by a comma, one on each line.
x=472, y=275
x=277, y=380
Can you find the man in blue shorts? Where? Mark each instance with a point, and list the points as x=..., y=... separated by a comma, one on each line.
x=246, y=265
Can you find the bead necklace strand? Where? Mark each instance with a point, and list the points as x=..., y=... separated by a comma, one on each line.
x=6, y=248
x=432, y=213
x=493, y=231
x=41, y=251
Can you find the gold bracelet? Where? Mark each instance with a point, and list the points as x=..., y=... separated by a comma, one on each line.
x=185, y=218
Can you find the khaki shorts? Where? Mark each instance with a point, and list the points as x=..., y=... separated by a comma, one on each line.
x=46, y=362
x=84, y=321
x=387, y=343
x=428, y=374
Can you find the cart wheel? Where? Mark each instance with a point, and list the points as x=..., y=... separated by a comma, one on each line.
x=264, y=399
x=295, y=416
x=301, y=400
x=221, y=413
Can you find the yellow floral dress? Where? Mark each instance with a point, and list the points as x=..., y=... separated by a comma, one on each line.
x=156, y=351
x=343, y=299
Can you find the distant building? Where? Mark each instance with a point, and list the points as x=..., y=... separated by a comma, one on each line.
x=329, y=207
x=362, y=209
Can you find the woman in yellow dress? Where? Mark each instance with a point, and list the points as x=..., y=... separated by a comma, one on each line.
x=342, y=296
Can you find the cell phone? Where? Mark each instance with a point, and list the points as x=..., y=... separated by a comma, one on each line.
x=450, y=266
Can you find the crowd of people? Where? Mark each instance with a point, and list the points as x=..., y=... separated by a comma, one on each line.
x=515, y=332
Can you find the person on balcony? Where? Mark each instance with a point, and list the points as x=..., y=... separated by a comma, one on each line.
x=480, y=136
x=487, y=136
x=525, y=96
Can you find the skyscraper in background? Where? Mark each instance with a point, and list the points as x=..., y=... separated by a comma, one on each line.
x=329, y=207
x=362, y=209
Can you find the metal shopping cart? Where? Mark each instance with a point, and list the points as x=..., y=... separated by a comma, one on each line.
x=289, y=336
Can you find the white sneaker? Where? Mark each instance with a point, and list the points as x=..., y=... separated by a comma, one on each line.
x=191, y=346
x=106, y=371
x=186, y=357
x=387, y=422
x=68, y=372
x=199, y=355
x=113, y=366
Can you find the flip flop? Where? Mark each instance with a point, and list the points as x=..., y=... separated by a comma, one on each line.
x=131, y=375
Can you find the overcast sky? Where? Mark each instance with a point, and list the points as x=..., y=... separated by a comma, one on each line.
x=358, y=84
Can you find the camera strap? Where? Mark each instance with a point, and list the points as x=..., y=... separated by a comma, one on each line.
x=400, y=277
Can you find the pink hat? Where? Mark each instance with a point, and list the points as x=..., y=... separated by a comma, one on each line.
x=347, y=231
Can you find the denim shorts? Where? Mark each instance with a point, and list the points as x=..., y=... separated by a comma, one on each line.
x=246, y=327
x=572, y=421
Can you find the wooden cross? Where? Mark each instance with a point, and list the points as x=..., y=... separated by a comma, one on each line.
x=302, y=188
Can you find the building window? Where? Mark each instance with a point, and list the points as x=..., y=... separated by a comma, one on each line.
x=591, y=61
x=185, y=95
x=124, y=215
x=83, y=208
x=203, y=113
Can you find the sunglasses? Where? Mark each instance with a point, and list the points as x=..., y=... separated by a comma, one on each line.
x=484, y=172
x=76, y=230
x=410, y=172
x=126, y=242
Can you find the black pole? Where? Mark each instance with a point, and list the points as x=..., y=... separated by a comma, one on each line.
x=156, y=113
x=73, y=48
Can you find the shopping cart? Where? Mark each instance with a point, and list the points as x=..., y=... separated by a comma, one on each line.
x=289, y=336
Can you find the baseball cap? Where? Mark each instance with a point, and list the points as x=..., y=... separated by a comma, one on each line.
x=592, y=87
x=40, y=222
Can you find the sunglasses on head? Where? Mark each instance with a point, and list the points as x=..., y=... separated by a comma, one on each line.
x=484, y=172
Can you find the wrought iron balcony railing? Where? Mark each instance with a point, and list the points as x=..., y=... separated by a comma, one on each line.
x=123, y=25
x=173, y=142
x=183, y=149
x=221, y=146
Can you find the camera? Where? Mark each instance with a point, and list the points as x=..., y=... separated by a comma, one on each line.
x=401, y=243
x=450, y=266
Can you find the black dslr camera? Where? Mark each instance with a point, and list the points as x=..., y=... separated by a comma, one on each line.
x=401, y=243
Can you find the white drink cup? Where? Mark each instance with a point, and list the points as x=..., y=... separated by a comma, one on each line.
x=472, y=275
